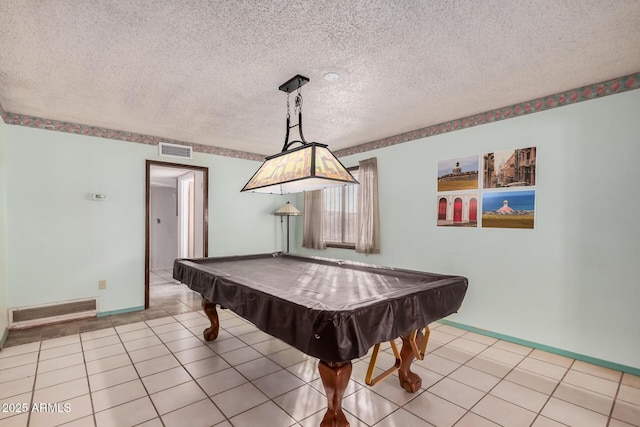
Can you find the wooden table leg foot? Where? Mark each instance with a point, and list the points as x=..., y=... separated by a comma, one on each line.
x=409, y=381
x=334, y=420
x=335, y=377
x=211, y=333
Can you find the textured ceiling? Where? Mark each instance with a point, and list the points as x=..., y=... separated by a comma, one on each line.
x=208, y=72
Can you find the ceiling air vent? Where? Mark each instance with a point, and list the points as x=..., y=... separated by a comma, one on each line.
x=174, y=150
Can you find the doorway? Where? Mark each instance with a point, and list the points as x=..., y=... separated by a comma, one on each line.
x=473, y=209
x=177, y=217
x=457, y=210
x=442, y=209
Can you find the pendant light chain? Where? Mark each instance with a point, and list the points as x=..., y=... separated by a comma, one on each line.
x=288, y=108
x=298, y=107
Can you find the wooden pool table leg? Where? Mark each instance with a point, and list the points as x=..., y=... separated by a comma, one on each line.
x=335, y=377
x=211, y=333
x=409, y=381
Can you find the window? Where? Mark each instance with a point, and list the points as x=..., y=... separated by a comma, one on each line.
x=345, y=217
x=339, y=214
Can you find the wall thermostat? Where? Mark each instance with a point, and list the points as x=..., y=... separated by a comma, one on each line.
x=99, y=197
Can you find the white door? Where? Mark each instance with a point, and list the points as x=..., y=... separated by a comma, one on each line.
x=190, y=215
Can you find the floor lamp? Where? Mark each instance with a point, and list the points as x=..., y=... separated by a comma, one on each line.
x=287, y=210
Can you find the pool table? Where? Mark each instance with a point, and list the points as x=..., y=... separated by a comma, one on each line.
x=333, y=310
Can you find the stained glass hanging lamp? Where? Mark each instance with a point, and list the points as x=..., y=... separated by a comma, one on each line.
x=311, y=166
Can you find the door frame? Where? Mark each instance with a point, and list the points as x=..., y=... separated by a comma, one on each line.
x=205, y=216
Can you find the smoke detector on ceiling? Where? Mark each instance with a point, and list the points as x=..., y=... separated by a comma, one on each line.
x=331, y=76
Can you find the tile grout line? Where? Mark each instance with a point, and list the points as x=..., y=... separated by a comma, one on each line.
x=372, y=389
x=512, y=369
x=33, y=388
x=195, y=380
x=553, y=391
x=138, y=372
x=233, y=366
x=183, y=366
x=441, y=379
x=248, y=381
x=568, y=369
x=84, y=360
x=102, y=372
x=187, y=371
x=496, y=385
x=615, y=399
x=306, y=383
x=474, y=355
x=422, y=392
x=432, y=385
x=156, y=334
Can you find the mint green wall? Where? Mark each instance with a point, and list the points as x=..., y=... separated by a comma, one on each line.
x=574, y=281
x=3, y=231
x=61, y=243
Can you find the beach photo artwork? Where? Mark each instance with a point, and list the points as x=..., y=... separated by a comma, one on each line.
x=508, y=209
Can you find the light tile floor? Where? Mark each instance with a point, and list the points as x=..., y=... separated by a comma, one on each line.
x=157, y=371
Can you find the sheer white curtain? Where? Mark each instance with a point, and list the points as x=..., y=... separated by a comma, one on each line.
x=368, y=218
x=312, y=235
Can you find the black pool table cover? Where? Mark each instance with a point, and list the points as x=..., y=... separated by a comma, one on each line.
x=333, y=310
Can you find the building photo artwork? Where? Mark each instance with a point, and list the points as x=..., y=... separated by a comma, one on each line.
x=458, y=209
x=458, y=174
x=509, y=171
x=501, y=198
x=510, y=168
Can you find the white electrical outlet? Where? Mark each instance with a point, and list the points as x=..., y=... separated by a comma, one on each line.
x=102, y=284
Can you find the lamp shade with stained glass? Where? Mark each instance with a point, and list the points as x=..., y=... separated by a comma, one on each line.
x=309, y=167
